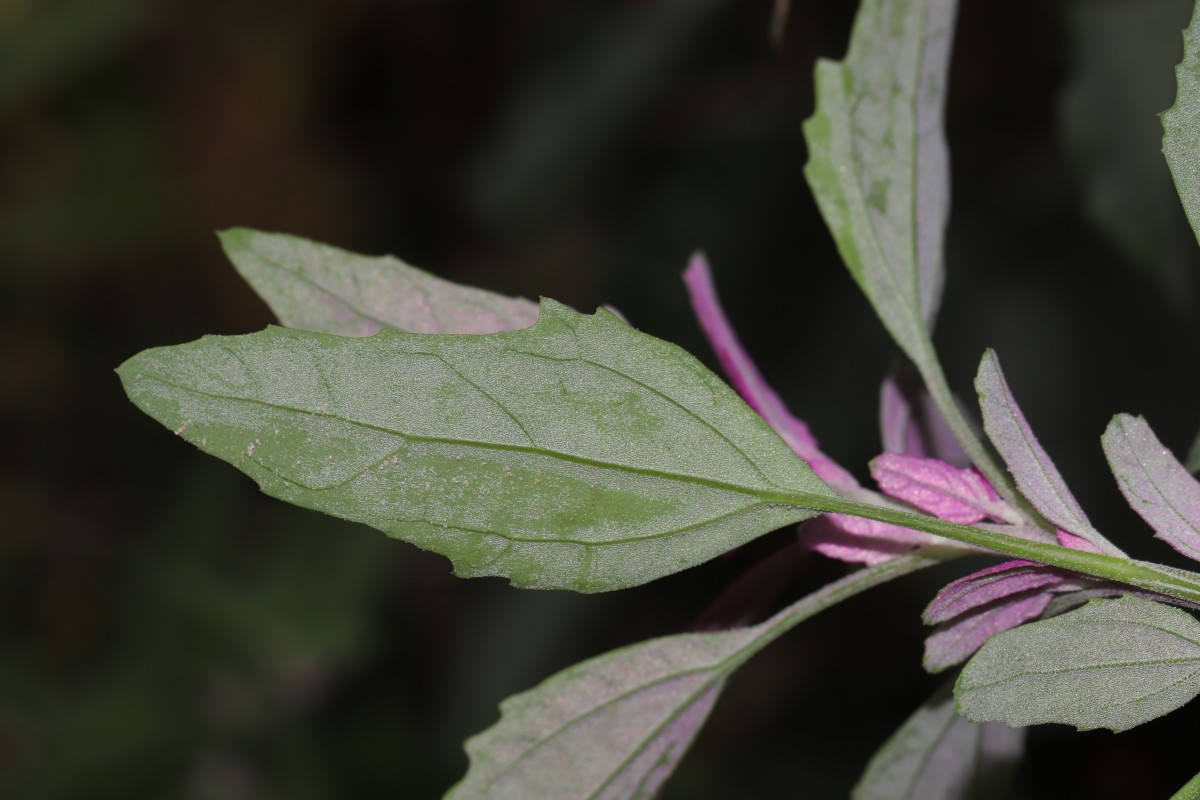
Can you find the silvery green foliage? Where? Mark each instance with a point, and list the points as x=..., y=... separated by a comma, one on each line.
x=321, y=288
x=616, y=725
x=1110, y=664
x=938, y=755
x=1038, y=479
x=1156, y=485
x=577, y=454
x=878, y=163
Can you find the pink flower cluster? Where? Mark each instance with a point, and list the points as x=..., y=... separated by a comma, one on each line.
x=969, y=610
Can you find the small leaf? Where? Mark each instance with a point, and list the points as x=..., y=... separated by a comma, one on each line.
x=938, y=755
x=878, y=164
x=1036, y=476
x=321, y=288
x=576, y=454
x=1110, y=664
x=937, y=488
x=953, y=641
x=1157, y=486
x=1181, y=126
x=615, y=726
x=987, y=586
x=910, y=421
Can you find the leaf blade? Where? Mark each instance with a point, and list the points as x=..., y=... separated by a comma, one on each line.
x=878, y=163
x=592, y=730
x=938, y=755
x=1157, y=486
x=1181, y=131
x=321, y=288
x=1110, y=664
x=1038, y=479
x=576, y=454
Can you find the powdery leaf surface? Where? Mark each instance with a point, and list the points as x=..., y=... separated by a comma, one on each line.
x=1110, y=664
x=1181, y=126
x=615, y=726
x=576, y=454
x=321, y=288
x=938, y=755
x=878, y=163
x=1156, y=485
x=1036, y=476
x=940, y=489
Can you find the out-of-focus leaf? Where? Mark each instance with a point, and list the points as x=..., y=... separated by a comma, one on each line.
x=321, y=288
x=1037, y=477
x=1110, y=664
x=1122, y=57
x=909, y=420
x=878, y=164
x=1157, y=486
x=938, y=755
x=616, y=726
x=578, y=453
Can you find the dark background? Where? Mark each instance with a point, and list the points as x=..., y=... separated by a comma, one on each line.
x=167, y=632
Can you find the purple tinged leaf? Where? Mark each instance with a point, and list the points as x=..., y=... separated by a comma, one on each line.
x=938, y=755
x=862, y=541
x=321, y=288
x=987, y=586
x=910, y=422
x=1157, y=486
x=954, y=642
x=616, y=725
x=937, y=488
x=1037, y=477
x=748, y=381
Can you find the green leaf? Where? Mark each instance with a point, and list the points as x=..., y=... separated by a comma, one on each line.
x=878, y=164
x=321, y=288
x=1110, y=664
x=938, y=755
x=1181, y=126
x=577, y=454
x=615, y=726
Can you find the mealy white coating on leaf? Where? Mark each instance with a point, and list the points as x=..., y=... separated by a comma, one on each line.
x=1036, y=476
x=1156, y=485
x=577, y=454
x=878, y=163
x=1181, y=126
x=1110, y=664
x=615, y=726
x=321, y=288
x=938, y=755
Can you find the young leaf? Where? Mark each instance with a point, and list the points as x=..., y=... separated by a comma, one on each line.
x=1036, y=476
x=938, y=755
x=878, y=164
x=1110, y=664
x=910, y=422
x=577, y=454
x=1156, y=485
x=616, y=726
x=1181, y=126
x=321, y=288
x=935, y=487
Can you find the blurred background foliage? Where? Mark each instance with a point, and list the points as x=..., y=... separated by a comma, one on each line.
x=166, y=632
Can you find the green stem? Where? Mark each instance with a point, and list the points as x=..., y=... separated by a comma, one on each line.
x=1179, y=584
x=1190, y=790
x=939, y=389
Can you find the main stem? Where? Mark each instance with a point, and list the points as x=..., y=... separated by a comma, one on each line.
x=1179, y=584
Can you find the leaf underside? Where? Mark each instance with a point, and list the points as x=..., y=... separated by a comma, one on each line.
x=576, y=454
x=1110, y=664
